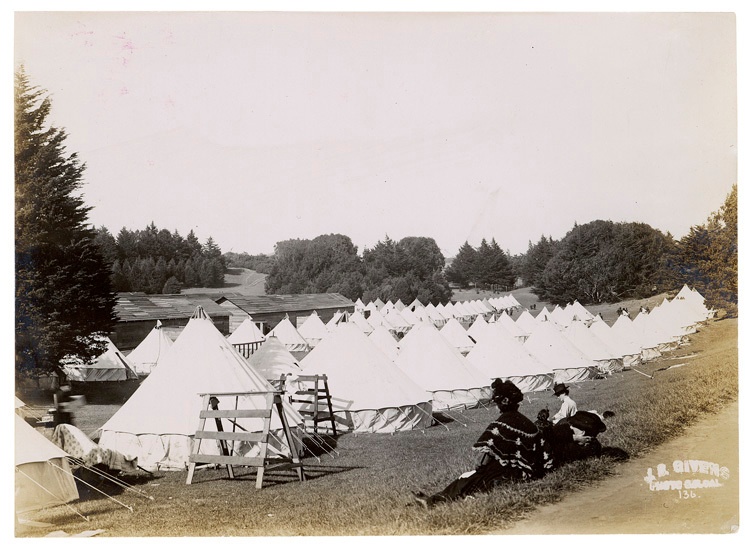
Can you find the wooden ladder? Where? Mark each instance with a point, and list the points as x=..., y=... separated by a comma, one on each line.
x=320, y=401
x=262, y=462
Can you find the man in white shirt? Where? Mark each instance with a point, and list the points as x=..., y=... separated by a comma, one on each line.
x=568, y=406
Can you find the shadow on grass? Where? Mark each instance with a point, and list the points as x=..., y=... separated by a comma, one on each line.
x=442, y=418
x=276, y=477
x=99, y=482
x=316, y=445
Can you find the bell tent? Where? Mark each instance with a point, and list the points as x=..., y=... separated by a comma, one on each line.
x=157, y=423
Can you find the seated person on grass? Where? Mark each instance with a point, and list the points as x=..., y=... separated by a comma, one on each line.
x=574, y=438
x=510, y=449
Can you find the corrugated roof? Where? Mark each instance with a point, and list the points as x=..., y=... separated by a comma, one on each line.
x=133, y=306
x=286, y=303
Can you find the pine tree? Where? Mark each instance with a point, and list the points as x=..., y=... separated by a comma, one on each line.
x=462, y=270
x=706, y=258
x=63, y=290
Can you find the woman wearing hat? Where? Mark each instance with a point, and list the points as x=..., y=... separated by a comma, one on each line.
x=575, y=437
x=568, y=406
x=509, y=449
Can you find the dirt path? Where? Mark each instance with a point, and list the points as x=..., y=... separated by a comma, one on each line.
x=625, y=503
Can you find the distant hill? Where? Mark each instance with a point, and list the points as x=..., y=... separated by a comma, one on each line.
x=237, y=280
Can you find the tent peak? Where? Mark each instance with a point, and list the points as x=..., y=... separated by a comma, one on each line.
x=200, y=313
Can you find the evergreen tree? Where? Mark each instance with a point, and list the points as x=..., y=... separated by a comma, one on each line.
x=536, y=258
x=462, y=269
x=119, y=280
x=63, y=291
x=106, y=244
x=604, y=261
x=160, y=275
x=193, y=247
x=485, y=266
x=504, y=274
x=126, y=243
x=706, y=258
x=172, y=286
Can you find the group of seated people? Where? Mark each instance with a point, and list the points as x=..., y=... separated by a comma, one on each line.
x=514, y=448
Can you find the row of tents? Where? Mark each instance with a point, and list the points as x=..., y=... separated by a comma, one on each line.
x=381, y=382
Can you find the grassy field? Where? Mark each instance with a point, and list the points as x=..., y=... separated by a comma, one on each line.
x=365, y=488
x=237, y=280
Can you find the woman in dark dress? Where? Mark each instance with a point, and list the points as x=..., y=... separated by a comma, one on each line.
x=510, y=449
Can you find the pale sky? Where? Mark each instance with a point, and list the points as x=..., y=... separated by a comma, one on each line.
x=259, y=127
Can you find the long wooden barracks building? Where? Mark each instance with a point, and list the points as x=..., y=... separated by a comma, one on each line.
x=268, y=311
x=137, y=313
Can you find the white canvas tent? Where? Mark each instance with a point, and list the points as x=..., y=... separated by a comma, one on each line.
x=150, y=350
x=286, y=332
x=313, y=329
x=569, y=364
x=410, y=317
x=514, y=330
x=665, y=341
x=273, y=359
x=422, y=314
x=385, y=341
x=368, y=392
x=157, y=423
x=340, y=317
x=112, y=365
x=592, y=347
x=478, y=328
x=482, y=307
x=472, y=309
x=683, y=314
x=399, y=324
x=435, y=315
x=461, y=313
x=43, y=476
x=696, y=302
x=626, y=330
x=377, y=320
x=498, y=354
x=247, y=332
x=581, y=313
x=436, y=366
x=526, y=321
x=629, y=352
x=545, y=315
x=361, y=322
x=414, y=304
x=445, y=311
x=457, y=336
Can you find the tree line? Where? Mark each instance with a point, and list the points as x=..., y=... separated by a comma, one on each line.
x=406, y=269
x=604, y=261
x=67, y=272
x=156, y=261
x=484, y=267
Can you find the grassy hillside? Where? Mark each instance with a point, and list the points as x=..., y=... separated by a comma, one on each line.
x=364, y=489
x=238, y=280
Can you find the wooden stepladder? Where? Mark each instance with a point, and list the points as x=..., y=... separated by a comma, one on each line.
x=317, y=406
x=227, y=439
